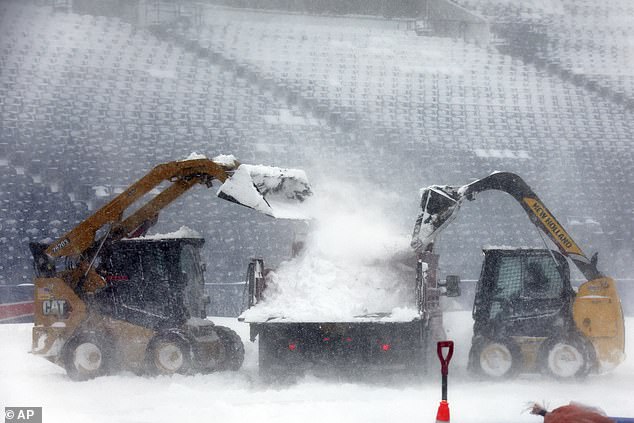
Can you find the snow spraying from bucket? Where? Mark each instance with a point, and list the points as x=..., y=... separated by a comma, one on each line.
x=356, y=264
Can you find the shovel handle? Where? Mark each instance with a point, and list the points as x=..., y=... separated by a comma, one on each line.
x=444, y=360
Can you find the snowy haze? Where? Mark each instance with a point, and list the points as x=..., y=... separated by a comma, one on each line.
x=372, y=111
x=356, y=260
x=367, y=98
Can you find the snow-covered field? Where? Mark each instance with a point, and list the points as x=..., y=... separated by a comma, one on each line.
x=26, y=380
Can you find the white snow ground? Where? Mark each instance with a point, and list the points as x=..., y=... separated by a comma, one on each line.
x=26, y=380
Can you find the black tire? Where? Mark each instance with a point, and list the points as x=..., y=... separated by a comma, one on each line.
x=233, y=349
x=566, y=357
x=496, y=359
x=88, y=355
x=169, y=353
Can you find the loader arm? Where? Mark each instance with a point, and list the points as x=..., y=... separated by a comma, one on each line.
x=538, y=214
x=182, y=175
x=444, y=201
x=251, y=186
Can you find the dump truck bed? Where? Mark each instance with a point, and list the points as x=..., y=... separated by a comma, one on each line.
x=347, y=347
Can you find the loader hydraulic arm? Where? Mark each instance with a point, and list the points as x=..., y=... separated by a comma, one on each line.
x=539, y=215
x=440, y=203
x=181, y=174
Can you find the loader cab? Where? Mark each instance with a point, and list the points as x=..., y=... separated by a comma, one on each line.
x=522, y=292
x=153, y=282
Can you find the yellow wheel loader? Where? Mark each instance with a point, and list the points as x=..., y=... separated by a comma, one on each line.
x=526, y=313
x=108, y=298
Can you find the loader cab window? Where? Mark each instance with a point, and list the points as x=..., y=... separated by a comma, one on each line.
x=542, y=278
x=154, y=286
x=522, y=284
x=192, y=274
x=141, y=289
x=141, y=277
x=507, y=284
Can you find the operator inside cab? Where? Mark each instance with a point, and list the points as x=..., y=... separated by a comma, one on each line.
x=535, y=281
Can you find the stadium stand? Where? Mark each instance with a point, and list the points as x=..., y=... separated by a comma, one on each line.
x=585, y=41
x=110, y=103
x=89, y=103
x=455, y=96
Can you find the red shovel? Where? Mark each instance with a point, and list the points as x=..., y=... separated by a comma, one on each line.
x=443, y=408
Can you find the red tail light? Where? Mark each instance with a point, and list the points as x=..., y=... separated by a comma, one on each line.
x=292, y=346
x=386, y=347
x=326, y=339
x=348, y=339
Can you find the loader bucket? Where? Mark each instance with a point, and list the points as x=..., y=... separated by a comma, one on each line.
x=271, y=190
x=439, y=205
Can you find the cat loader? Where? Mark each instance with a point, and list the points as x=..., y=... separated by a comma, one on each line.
x=527, y=317
x=109, y=298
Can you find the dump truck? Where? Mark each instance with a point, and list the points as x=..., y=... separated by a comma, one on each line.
x=108, y=297
x=375, y=343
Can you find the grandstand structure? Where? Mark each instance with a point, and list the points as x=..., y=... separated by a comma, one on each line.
x=91, y=102
x=581, y=40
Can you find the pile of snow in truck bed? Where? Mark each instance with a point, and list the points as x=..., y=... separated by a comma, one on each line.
x=356, y=263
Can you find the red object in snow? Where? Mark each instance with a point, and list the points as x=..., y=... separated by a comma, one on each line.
x=443, y=412
x=575, y=414
x=443, y=408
